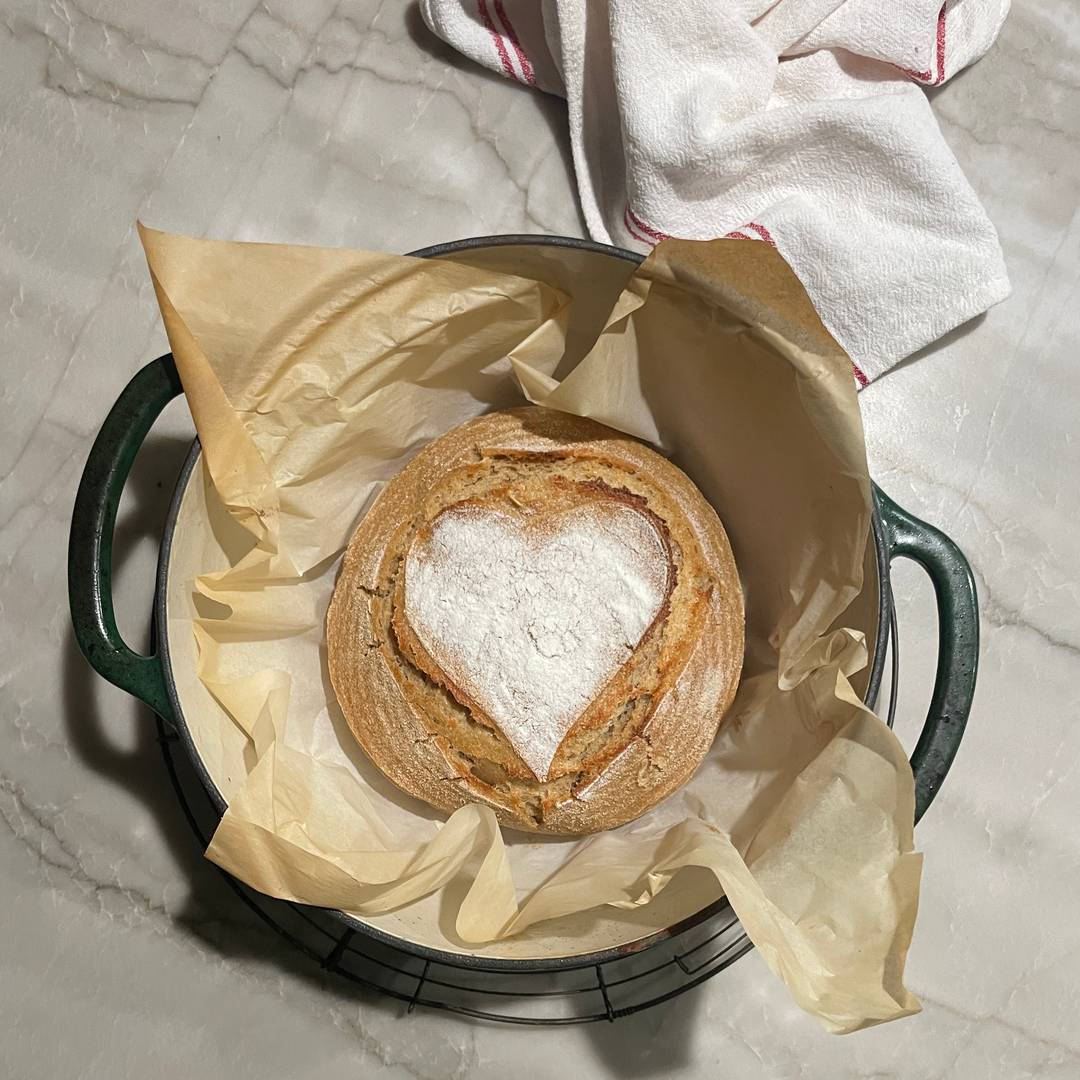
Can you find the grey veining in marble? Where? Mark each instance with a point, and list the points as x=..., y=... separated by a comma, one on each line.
x=344, y=122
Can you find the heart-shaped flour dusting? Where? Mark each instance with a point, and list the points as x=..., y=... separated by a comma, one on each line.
x=531, y=616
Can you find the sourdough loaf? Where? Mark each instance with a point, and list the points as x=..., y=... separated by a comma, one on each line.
x=541, y=614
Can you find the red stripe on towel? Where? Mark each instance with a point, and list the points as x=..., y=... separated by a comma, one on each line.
x=496, y=37
x=642, y=227
x=633, y=232
x=761, y=231
x=937, y=76
x=527, y=72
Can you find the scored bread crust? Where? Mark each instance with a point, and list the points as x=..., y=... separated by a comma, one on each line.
x=648, y=728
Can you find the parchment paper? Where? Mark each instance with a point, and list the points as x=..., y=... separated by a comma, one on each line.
x=313, y=375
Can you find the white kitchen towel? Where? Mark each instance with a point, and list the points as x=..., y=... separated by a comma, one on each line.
x=797, y=123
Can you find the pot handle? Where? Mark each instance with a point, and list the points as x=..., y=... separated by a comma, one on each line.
x=958, y=643
x=92, y=522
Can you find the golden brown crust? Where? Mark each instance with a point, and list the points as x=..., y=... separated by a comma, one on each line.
x=650, y=725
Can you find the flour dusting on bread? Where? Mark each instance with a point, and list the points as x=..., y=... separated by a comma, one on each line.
x=532, y=615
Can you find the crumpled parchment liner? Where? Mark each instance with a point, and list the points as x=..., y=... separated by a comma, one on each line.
x=314, y=374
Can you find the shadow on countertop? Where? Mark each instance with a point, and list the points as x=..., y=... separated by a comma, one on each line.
x=958, y=333
x=656, y=1042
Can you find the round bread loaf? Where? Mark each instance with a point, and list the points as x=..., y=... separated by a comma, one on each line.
x=541, y=614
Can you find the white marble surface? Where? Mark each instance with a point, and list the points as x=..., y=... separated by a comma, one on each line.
x=345, y=123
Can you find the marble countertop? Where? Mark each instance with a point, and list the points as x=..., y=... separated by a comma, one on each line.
x=342, y=122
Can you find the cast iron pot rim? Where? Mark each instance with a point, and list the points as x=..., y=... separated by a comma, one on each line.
x=427, y=952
